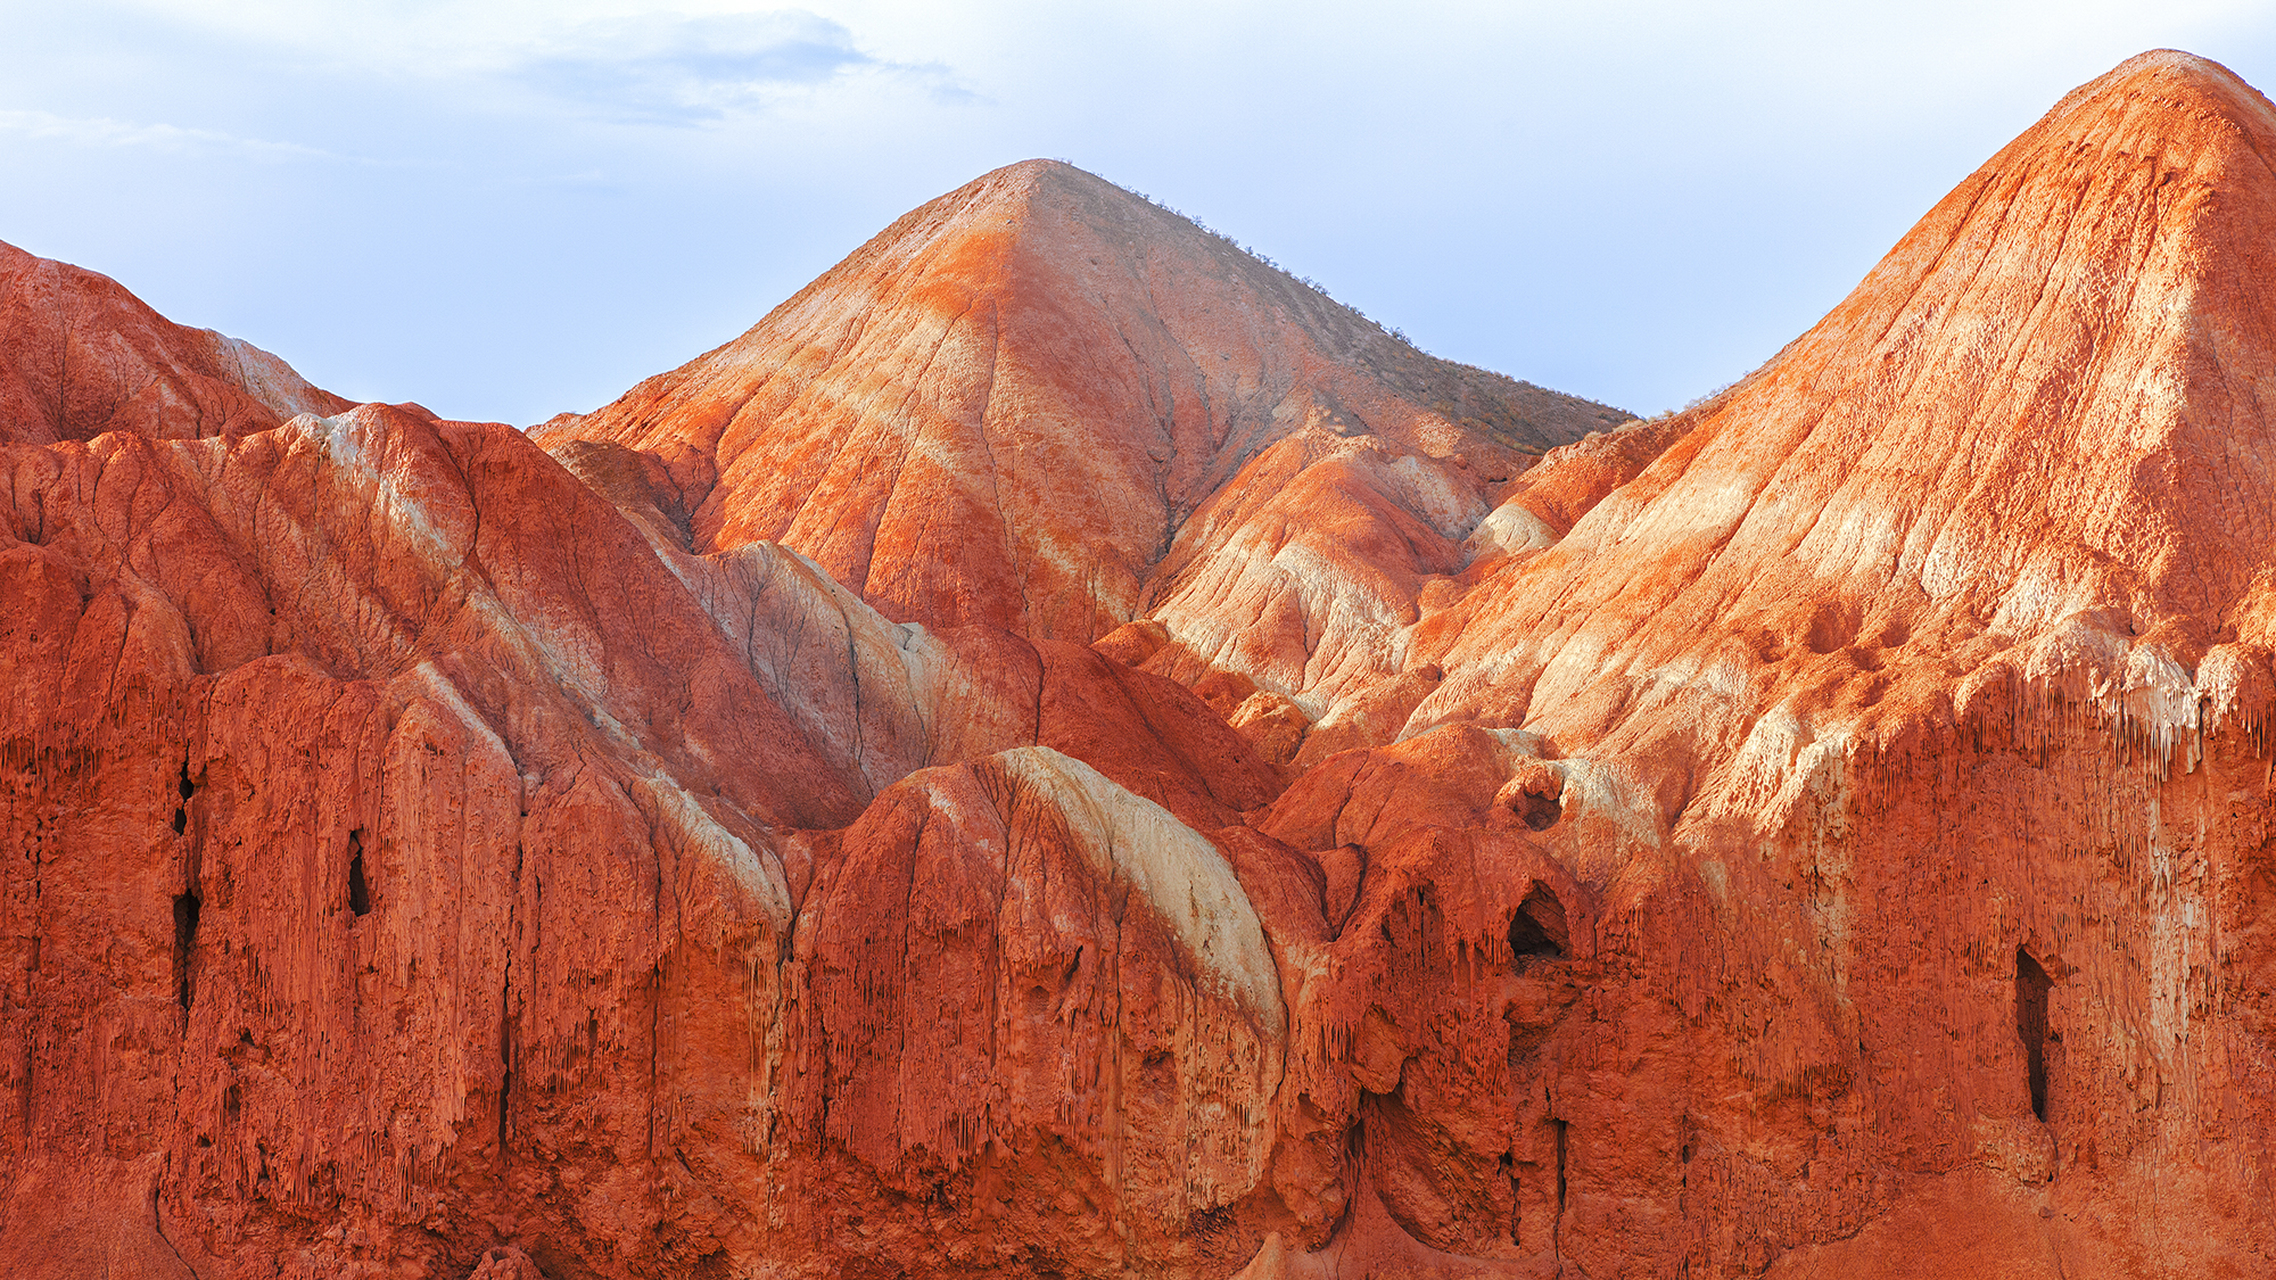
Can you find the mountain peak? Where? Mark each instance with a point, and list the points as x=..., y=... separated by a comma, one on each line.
x=2048, y=402
x=2175, y=76
x=2164, y=102
x=1062, y=368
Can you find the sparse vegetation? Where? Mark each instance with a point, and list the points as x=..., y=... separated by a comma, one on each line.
x=1508, y=409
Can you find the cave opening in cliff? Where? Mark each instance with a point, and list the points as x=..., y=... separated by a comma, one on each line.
x=2031, y=988
x=1539, y=811
x=359, y=889
x=185, y=937
x=1564, y=1131
x=1538, y=929
x=187, y=789
x=1506, y=1166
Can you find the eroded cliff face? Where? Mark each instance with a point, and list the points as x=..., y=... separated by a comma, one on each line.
x=1063, y=752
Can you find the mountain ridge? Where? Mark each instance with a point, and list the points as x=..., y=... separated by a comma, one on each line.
x=157, y=378
x=1040, y=759
x=2009, y=490
x=1057, y=338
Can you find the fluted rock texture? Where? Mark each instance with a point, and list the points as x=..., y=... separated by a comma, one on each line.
x=1065, y=752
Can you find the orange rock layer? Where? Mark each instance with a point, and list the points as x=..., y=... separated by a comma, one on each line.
x=1064, y=752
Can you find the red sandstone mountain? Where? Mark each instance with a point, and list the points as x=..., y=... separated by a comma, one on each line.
x=1004, y=407
x=1823, y=833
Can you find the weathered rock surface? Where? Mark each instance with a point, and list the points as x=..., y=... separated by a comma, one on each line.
x=80, y=356
x=1003, y=408
x=1064, y=753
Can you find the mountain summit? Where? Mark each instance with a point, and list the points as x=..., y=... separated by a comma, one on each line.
x=1002, y=408
x=2047, y=409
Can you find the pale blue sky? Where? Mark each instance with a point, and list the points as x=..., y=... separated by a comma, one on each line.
x=509, y=209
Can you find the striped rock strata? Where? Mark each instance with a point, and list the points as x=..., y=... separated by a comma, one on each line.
x=1064, y=752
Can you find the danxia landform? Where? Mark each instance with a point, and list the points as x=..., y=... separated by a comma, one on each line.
x=1064, y=751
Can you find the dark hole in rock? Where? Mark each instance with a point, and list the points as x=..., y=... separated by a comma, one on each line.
x=1538, y=811
x=181, y=820
x=359, y=889
x=1538, y=928
x=185, y=786
x=1507, y=1168
x=505, y=1107
x=1830, y=628
x=2031, y=987
x=185, y=937
x=1209, y=1222
x=1564, y=1130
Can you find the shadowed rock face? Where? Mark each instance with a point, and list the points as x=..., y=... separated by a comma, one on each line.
x=1063, y=752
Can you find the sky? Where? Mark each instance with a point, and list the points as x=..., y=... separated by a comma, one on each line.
x=507, y=209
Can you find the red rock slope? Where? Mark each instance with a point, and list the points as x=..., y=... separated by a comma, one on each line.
x=1821, y=834
x=1002, y=408
x=372, y=784
x=80, y=356
x=1907, y=709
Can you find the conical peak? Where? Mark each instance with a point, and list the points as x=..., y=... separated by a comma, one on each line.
x=1007, y=192
x=1046, y=220
x=1028, y=227
x=1047, y=180
x=1033, y=187
x=2154, y=102
x=2048, y=400
x=1063, y=232
x=1066, y=370
x=2172, y=75
x=1043, y=236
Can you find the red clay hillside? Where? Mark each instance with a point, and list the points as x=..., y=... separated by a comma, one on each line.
x=1065, y=752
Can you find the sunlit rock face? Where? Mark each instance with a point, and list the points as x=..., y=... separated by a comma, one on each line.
x=1005, y=408
x=1065, y=752
x=80, y=356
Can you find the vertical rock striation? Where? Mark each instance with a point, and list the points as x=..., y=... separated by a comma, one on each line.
x=1063, y=752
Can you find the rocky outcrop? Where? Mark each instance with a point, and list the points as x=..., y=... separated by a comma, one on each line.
x=1064, y=753
x=80, y=356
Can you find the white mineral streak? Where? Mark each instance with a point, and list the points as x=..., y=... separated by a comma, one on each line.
x=1183, y=876
x=760, y=878
x=273, y=382
x=1511, y=528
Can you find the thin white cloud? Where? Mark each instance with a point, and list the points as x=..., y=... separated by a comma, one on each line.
x=677, y=68
x=671, y=68
x=693, y=62
x=104, y=132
